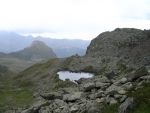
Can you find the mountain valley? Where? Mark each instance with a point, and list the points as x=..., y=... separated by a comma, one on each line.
x=120, y=60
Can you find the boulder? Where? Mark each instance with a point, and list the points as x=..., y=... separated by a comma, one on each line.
x=110, y=100
x=35, y=108
x=102, y=85
x=110, y=75
x=111, y=90
x=72, y=97
x=100, y=100
x=93, y=107
x=80, y=81
x=147, y=78
x=99, y=94
x=74, y=108
x=126, y=106
x=123, y=98
x=128, y=86
x=117, y=96
x=121, y=81
x=88, y=86
x=122, y=92
x=51, y=95
x=113, y=101
x=137, y=74
x=102, y=79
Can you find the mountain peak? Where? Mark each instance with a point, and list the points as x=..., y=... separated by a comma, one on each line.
x=37, y=43
x=38, y=50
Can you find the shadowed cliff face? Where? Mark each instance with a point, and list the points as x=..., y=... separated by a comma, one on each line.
x=128, y=44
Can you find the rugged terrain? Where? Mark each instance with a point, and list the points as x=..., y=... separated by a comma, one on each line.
x=120, y=60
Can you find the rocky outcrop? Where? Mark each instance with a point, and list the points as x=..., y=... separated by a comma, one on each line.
x=130, y=45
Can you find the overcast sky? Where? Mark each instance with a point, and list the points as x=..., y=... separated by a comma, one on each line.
x=79, y=19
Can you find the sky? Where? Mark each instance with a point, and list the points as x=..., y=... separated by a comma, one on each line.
x=72, y=19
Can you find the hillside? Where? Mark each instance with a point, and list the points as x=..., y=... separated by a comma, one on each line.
x=18, y=61
x=121, y=63
x=37, y=51
x=12, y=42
x=105, y=56
x=130, y=45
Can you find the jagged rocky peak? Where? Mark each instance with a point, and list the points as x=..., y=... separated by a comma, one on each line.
x=38, y=43
x=126, y=43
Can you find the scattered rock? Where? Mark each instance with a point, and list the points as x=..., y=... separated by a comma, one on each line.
x=35, y=108
x=121, y=81
x=111, y=75
x=100, y=100
x=127, y=86
x=117, y=96
x=74, y=109
x=72, y=97
x=137, y=74
x=110, y=100
x=122, y=92
x=88, y=86
x=88, y=100
x=123, y=98
x=52, y=95
x=126, y=106
x=93, y=107
x=102, y=85
x=145, y=78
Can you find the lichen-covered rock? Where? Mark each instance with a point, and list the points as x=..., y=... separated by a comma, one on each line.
x=72, y=97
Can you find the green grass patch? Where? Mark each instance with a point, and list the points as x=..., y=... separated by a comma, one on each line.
x=15, y=98
x=142, y=99
x=110, y=109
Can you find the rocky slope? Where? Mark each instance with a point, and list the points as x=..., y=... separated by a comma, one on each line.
x=121, y=63
x=130, y=45
x=93, y=95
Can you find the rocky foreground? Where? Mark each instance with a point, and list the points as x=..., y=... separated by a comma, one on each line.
x=93, y=94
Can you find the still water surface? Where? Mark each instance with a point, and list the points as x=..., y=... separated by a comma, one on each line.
x=73, y=76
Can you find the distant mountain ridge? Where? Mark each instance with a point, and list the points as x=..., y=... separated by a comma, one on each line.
x=37, y=51
x=12, y=42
